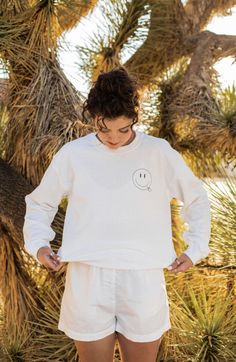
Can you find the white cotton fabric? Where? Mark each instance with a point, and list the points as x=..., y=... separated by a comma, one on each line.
x=99, y=301
x=118, y=213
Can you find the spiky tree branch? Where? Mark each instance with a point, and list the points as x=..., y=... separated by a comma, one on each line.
x=168, y=28
x=69, y=12
x=207, y=48
x=173, y=34
x=103, y=53
x=192, y=97
x=200, y=12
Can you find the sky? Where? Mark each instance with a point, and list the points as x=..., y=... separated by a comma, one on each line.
x=77, y=36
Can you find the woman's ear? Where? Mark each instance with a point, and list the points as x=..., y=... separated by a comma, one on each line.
x=97, y=119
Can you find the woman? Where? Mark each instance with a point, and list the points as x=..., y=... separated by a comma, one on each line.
x=117, y=234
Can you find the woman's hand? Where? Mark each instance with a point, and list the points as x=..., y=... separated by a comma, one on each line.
x=181, y=264
x=49, y=259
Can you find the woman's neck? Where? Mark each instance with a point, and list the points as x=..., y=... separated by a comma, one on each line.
x=132, y=137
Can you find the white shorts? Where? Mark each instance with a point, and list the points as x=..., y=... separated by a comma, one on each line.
x=99, y=301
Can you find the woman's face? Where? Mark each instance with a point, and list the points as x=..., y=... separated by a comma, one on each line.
x=116, y=132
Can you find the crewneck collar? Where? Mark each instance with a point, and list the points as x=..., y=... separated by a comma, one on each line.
x=122, y=149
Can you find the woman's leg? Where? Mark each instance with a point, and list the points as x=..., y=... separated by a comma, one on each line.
x=142, y=312
x=101, y=350
x=138, y=351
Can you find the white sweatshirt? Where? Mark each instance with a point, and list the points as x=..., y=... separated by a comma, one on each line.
x=118, y=212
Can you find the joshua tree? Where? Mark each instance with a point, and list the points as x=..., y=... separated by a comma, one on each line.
x=172, y=55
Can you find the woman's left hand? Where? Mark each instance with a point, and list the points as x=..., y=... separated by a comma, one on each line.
x=181, y=264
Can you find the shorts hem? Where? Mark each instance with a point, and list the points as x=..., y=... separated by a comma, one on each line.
x=143, y=338
x=86, y=337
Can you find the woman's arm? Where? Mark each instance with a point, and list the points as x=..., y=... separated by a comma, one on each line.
x=185, y=186
x=42, y=205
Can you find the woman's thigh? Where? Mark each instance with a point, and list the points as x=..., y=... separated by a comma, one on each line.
x=101, y=350
x=138, y=351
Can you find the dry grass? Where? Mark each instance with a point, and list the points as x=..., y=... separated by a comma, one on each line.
x=202, y=316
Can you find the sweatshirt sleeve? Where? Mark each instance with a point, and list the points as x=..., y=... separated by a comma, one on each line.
x=185, y=186
x=42, y=204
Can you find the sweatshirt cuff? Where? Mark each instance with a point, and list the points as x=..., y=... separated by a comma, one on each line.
x=195, y=254
x=34, y=249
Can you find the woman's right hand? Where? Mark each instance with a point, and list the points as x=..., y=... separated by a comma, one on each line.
x=49, y=259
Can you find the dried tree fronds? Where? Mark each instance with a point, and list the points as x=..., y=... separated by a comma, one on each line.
x=58, y=16
x=21, y=300
x=12, y=193
x=12, y=7
x=156, y=97
x=33, y=29
x=178, y=227
x=125, y=28
x=191, y=107
x=51, y=344
x=44, y=111
x=3, y=122
x=176, y=121
x=52, y=112
x=13, y=189
x=70, y=12
x=44, y=108
x=222, y=127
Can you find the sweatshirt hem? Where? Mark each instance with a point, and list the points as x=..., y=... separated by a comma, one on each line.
x=124, y=266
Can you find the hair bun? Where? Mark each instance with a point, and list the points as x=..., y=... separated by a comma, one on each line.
x=116, y=81
x=113, y=94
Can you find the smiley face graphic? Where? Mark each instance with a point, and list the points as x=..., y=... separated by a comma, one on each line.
x=142, y=179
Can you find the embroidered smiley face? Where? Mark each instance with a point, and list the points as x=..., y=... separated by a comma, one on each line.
x=142, y=179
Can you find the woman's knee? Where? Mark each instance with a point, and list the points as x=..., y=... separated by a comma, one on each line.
x=138, y=351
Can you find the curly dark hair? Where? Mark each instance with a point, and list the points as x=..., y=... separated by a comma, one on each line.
x=114, y=94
